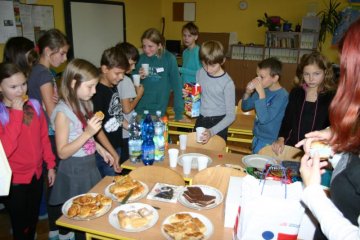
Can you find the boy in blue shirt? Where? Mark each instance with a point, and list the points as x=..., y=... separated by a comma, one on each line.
x=269, y=99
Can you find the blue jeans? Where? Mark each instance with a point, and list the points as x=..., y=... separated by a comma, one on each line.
x=104, y=168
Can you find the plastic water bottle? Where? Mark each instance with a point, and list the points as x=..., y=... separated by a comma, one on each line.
x=148, y=146
x=166, y=131
x=143, y=127
x=135, y=140
x=159, y=140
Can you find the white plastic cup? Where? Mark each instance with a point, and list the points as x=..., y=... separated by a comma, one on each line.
x=145, y=66
x=186, y=161
x=173, y=156
x=183, y=140
x=136, y=79
x=202, y=162
x=199, y=132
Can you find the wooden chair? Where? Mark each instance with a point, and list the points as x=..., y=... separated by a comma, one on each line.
x=216, y=143
x=154, y=174
x=289, y=153
x=217, y=177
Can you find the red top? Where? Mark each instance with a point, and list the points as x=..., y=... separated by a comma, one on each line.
x=26, y=143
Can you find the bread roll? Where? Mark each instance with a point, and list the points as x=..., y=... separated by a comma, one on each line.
x=323, y=149
x=25, y=98
x=123, y=219
x=100, y=115
x=138, y=222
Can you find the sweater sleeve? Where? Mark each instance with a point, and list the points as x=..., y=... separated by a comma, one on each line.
x=176, y=86
x=333, y=224
x=267, y=112
x=229, y=93
x=11, y=131
x=48, y=155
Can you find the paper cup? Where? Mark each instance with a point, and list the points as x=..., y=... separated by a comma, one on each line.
x=199, y=132
x=186, y=161
x=183, y=140
x=136, y=79
x=145, y=66
x=173, y=156
x=202, y=162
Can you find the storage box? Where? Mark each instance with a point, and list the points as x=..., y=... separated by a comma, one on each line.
x=192, y=100
x=233, y=200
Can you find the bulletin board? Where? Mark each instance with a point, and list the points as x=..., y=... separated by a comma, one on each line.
x=30, y=21
x=93, y=26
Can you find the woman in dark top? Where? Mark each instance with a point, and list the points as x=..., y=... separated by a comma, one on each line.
x=308, y=105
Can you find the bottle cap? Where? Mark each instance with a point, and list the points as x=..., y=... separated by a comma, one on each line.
x=158, y=113
x=146, y=111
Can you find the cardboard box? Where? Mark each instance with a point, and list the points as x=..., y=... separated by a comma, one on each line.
x=192, y=100
x=233, y=200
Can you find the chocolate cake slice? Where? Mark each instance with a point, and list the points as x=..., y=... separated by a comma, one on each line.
x=195, y=195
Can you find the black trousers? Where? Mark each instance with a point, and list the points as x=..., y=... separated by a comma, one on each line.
x=23, y=204
x=209, y=122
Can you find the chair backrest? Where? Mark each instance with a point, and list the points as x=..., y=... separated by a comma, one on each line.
x=217, y=177
x=216, y=143
x=154, y=174
x=289, y=153
x=240, y=111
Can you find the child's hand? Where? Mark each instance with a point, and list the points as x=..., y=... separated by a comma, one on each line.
x=139, y=90
x=17, y=103
x=108, y=158
x=93, y=126
x=278, y=146
x=51, y=177
x=142, y=73
x=206, y=136
x=250, y=87
x=184, y=92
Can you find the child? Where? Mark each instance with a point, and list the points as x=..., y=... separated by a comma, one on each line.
x=162, y=78
x=129, y=94
x=114, y=64
x=75, y=125
x=307, y=110
x=265, y=94
x=53, y=47
x=24, y=135
x=190, y=56
x=217, y=110
x=21, y=51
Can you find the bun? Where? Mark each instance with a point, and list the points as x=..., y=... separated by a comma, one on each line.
x=323, y=149
x=100, y=115
x=25, y=98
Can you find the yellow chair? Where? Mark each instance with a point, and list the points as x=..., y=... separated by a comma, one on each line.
x=216, y=143
x=154, y=174
x=289, y=153
x=217, y=177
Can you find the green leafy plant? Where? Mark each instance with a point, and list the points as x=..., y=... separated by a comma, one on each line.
x=273, y=23
x=329, y=20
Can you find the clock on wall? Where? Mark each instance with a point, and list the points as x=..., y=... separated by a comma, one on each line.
x=243, y=5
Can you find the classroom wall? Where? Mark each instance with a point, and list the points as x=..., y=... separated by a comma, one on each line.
x=211, y=16
x=226, y=16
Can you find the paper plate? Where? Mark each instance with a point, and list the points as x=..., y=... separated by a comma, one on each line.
x=194, y=159
x=209, y=226
x=69, y=202
x=113, y=219
x=132, y=198
x=206, y=190
x=258, y=161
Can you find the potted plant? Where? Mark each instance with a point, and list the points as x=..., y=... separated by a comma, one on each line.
x=329, y=19
x=273, y=23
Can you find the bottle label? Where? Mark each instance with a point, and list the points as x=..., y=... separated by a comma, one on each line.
x=159, y=142
x=135, y=149
x=148, y=152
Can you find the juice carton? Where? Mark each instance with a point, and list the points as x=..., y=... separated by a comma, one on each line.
x=193, y=99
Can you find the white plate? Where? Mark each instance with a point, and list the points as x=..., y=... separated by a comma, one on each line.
x=209, y=226
x=113, y=220
x=206, y=190
x=257, y=161
x=69, y=202
x=132, y=198
x=194, y=159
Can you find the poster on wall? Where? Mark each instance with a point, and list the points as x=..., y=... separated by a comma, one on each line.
x=7, y=21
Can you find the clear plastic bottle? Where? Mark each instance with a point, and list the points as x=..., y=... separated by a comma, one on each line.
x=148, y=147
x=159, y=139
x=135, y=140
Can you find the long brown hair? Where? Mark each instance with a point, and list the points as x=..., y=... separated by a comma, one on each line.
x=345, y=107
x=81, y=71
